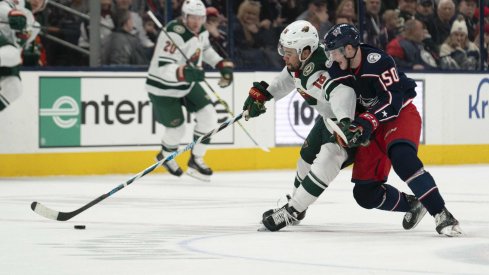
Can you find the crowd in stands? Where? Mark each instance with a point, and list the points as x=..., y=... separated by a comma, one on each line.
x=419, y=34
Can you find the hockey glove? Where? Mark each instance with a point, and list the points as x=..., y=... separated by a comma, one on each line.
x=17, y=20
x=361, y=129
x=358, y=131
x=190, y=74
x=255, y=103
x=226, y=69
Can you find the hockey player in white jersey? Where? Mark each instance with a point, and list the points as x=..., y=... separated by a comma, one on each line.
x=173, y=82
x=320, y=160
x=17, y=31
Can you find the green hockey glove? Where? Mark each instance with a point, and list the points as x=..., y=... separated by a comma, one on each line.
x=255, y=103
x=226, y=69
x=190, y=74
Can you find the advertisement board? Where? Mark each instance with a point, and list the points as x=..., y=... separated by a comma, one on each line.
x=90, y=111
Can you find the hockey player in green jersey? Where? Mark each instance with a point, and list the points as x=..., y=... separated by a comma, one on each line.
x=173, y=82
x=320, y=160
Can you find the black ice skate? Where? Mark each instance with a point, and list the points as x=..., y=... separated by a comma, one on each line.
x=280, y=218
x=198, y=169
x=415, y=214
x=446, y=224
x=300, y=216
x=171, y=166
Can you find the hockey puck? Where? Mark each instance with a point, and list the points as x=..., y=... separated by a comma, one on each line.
x=80, y=226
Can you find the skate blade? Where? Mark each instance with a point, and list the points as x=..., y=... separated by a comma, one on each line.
x=452, y=231
x=196, y=175
x=262, y=228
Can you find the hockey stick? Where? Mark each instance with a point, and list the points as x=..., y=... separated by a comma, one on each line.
x=337, y=130
x=64, y=216
x=224, y=103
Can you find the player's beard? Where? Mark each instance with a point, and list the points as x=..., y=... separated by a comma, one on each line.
x=293, y=67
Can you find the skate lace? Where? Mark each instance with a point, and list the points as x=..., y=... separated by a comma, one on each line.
x=283, y=216
x=200, y=162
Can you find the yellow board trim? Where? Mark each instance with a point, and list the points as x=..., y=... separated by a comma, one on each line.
x=98, y=163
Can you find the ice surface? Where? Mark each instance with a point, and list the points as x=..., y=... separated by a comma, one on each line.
x=167, y=225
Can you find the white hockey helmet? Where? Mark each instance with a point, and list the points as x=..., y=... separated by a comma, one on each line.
x=194, y=7
x=298, y=35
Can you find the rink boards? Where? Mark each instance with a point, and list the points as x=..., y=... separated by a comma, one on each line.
x=101, y=123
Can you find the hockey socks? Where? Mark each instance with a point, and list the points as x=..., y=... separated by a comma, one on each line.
x=424, y=187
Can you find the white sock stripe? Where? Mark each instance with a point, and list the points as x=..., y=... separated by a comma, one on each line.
x=417, y=174
x=428, y=192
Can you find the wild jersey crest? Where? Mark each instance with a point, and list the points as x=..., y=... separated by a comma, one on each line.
x=179, y=29
x=308, y=69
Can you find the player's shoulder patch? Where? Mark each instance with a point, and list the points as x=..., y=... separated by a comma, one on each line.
x=177, y=27
x=308, y=69
x=373, y=57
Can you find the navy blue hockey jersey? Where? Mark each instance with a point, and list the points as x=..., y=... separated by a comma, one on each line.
x=380, y=88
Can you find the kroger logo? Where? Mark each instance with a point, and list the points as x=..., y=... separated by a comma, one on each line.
x=64, y=106
x=478, y=106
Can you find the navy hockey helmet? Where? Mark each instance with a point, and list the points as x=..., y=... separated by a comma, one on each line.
x=341, y=35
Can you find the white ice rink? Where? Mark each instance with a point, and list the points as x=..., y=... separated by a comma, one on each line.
x=166, y=225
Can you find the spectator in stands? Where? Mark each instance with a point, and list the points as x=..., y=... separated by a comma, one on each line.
x=137, y=20
x=291, y=9
x=65, y=26
x=317, y=15
x=485, y=50
x=441, y=28
x=122, y=46
x=375, y=32
x=106, y=24
x=425, y=12
x=407, y=9
x=457, y=52
x=486, y=14
x=346, y=8
x=217, y=35
x=467, y=8
x=408, y=50
x=255, y=45
x=150, y=29
x=393, y=25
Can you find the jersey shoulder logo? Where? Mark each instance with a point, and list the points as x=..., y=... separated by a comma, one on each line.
x=373, y=57
x=179, y=29
x=308, y=69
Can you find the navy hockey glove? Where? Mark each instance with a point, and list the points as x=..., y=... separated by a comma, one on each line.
x=226, y=69
x=255, y=103
x=190, y=74
x=361, y=129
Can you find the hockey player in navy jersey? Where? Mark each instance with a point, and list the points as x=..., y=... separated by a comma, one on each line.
x=386, y=132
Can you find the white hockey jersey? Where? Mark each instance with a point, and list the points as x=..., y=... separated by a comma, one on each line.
x=312, y=83
x=162, y=75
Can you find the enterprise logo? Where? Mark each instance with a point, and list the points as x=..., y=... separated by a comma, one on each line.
x=64, y=106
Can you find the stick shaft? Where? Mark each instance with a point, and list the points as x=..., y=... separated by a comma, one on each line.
x=64, y=216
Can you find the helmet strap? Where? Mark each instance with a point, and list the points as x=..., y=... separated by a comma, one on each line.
x=348, y=59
